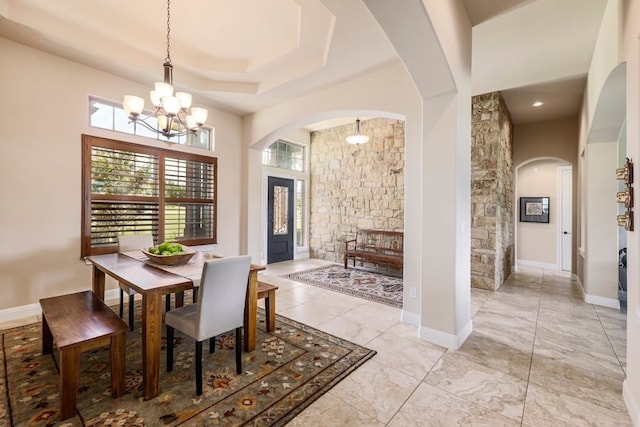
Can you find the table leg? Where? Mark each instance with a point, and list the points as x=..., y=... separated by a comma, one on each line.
x=98, y=282
x=250, y=312
x=179, y=299
x=151, y=342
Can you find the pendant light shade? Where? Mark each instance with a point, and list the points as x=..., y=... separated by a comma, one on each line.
x=357, y=138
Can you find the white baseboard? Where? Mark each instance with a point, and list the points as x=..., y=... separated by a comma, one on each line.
x=301, y=253
x=451, y=341
x=535, y=264
x=632, y=407
x=410, y=318
x=30, y=310
x=605, y=302
x=22, y=312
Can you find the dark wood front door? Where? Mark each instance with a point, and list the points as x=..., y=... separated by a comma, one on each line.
x=280, y=216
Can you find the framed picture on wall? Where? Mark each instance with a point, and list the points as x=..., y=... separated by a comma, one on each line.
x=534, y=209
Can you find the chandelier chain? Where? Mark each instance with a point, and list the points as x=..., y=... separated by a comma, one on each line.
x=168, y=58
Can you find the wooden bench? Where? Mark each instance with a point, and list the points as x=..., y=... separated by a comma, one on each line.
x=380, y=247
x=79, y=322
x=268, y=292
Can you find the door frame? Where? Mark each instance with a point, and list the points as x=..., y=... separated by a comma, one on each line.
x=299, y=252
x=561, y=205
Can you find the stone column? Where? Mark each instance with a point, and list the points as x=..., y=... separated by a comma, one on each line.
x=491, y=191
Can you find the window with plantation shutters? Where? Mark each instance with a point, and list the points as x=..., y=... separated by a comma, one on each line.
x=134, y=189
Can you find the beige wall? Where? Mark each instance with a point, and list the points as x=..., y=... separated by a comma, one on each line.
x=551, y=139
x=537, y=242
x=44, y=112
x=601, y=246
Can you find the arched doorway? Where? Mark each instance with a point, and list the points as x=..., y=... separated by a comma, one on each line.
x=544, y=242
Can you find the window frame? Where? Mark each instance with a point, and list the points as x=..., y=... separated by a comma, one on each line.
x=90, y=141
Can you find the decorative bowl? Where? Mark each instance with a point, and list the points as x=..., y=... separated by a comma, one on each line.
x=175, y=259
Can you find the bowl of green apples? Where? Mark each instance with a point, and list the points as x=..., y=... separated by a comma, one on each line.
x=169, y=253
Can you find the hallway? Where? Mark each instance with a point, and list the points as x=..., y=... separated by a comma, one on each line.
x=538, y=355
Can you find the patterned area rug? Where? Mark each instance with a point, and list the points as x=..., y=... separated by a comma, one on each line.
x=359, y=283
x=289, y=369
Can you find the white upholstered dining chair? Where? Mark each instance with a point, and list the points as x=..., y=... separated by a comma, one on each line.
x=126, y=243
x=219, y=309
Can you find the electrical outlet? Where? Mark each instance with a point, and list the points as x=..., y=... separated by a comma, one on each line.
x=413, y=292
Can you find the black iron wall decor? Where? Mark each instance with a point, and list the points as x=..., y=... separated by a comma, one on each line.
x=625, y=174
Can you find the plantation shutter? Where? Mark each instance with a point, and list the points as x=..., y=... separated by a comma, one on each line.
x=134, y=189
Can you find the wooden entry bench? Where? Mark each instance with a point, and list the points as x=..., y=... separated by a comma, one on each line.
x=80, y=322
x=375, y=246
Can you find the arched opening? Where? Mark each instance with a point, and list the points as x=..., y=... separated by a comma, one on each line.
x=545, y=240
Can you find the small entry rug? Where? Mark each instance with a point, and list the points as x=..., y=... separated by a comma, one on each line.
x=359, y=283
x=289, y=369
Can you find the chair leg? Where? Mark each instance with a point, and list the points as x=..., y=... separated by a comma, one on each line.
x=194, y=295
x=238, y=351
x=121, y=303
x=169, y=349
x=212, y=345
x=198, y=368
x=132, y=307
x=167, y=302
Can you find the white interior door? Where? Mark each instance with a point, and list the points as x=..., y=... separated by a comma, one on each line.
x=565, y=217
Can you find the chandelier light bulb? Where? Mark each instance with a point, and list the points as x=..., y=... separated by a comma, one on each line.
x=171, y=105
x=163, y=89
x=185, y=100
x=191, y=122
x=133, y=105
x=199, y=115
x=155, y=99
x=162, y=123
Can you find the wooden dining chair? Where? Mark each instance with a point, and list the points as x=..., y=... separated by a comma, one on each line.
x=219, y=309
x=126, y=243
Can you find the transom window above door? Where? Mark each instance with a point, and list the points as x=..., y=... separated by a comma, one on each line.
x=284, y=155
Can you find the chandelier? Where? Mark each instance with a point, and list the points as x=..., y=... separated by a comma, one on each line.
x=172, y=115
x=357, y=138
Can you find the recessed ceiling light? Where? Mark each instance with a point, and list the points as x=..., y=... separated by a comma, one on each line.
x=537, y=104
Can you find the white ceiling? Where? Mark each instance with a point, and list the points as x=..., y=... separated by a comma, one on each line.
x=245, y=55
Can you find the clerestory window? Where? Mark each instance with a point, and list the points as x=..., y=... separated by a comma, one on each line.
x=111, y=116
x=134, y=189
x=284, y=155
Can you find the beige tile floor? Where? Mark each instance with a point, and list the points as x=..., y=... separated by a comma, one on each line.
x=538, y=356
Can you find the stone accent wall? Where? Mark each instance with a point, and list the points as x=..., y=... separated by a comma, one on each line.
x=355, y=186
x=492, y=218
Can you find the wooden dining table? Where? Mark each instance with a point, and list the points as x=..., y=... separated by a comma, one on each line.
x=152, y=282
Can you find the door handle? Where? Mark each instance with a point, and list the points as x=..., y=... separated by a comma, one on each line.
x=566, y=232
